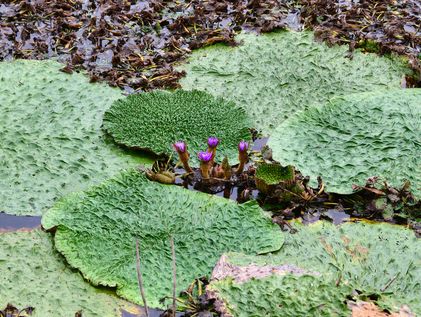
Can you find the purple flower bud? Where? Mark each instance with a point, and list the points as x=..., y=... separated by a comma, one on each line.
x=180, y=146
x=243, y=146
x=213, y=141
x=205, y=156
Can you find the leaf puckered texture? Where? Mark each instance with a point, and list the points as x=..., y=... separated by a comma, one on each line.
x=97, y=229
x=51, y=139
x=375, y=259
x=34, y=274
x=274, y=75
x=155, y=120
x=355, y=137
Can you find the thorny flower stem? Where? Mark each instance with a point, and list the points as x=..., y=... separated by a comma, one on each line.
x=140, y=279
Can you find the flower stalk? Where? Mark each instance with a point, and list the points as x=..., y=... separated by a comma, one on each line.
x=183, y=154
x=242, y=156
x=205, y=159
x=212, y=145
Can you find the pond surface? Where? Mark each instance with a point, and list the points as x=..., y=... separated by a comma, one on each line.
x=11, y=223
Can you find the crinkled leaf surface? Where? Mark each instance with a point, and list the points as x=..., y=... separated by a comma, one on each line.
x=367, y=257
x=355, y=137
x=274, y=75
x=34, y=274
x=51, y=139
x=97, y=229
x=283, y=296
x=155, y=120
x=272, y=174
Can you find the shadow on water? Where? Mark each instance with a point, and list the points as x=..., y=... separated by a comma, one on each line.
x=12, y=223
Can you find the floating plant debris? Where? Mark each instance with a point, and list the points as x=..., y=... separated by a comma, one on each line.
x=130, y=44
x=12, y=311
x=286, y=191
x=380, y=26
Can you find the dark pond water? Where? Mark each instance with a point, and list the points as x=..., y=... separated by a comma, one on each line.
x=11, y=223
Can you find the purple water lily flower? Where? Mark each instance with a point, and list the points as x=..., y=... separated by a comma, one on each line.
x=180, y=146
x=205, y=156
x=213, y=142
x=243, y=146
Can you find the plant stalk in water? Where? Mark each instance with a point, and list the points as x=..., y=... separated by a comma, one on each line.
x=183, y=154
x=205, y=163
x=242, y=156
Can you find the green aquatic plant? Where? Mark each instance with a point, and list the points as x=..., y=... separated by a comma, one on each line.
x=381, y=261
x=272, y=76
x=356, y=137
x=35, y=274
x=269, y=175
x=154, y=120
x=96, y=232
x=51, y=137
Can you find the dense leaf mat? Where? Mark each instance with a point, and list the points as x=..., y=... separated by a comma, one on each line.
x=34, y=274
x=274, y=75
x=97, y=229
x=155, y=120
x=355, y=137
x=51, y=139
x=380, y=259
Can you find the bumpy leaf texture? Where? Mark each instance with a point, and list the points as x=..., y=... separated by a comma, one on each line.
x=154, y=121
x=274, y=75
x=380, y=259
x=282, y=296
x=355, y=137
x=34, y=274
x=51, y=138
x=97, y=230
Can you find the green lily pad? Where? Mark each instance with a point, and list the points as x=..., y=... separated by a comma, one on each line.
x=155, y=120
x=97, y=229
x=51, y=138
x=34, y=274
x=268, y=175
x=379, y=259
x=355, y=137
x=281, y=296
x=274, y=75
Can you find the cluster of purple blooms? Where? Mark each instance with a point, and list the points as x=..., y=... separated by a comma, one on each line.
x=207, y=156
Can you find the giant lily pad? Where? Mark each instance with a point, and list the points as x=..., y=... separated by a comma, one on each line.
x=355, y=137
x=281, y=295
x=97, y=229
x=34, y=274
x=154, y=121
x=51, y=138
x=376, y=259
x=274, y=75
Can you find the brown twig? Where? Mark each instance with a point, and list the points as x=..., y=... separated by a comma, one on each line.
x=174, y=277
x=389, y=283
x=140, y=279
